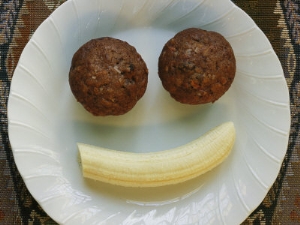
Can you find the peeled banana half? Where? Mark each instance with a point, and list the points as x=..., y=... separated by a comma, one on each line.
x=158, y=168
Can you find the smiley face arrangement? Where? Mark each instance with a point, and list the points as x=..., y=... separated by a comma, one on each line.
x=108, y=76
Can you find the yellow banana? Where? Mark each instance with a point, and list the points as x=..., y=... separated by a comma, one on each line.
x=158, y=168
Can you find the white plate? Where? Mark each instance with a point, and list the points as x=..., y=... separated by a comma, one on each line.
x=45, y=121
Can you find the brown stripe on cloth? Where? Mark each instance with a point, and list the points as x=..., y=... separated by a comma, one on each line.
x=279, y=19
x=18, y=21
x=9, y=176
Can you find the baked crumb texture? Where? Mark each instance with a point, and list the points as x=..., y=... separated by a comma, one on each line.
x=197, y=66
x=108, y=76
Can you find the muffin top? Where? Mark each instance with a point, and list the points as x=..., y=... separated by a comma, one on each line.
x=108, y=76
x=197, y=66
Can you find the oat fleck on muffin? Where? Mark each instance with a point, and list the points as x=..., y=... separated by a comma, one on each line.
x=108, y=76
x=197, y=66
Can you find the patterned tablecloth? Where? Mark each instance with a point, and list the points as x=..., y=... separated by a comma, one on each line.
x=280, y=21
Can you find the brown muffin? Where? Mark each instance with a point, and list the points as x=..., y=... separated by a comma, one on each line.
x=197, y=66
x=108, y=76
